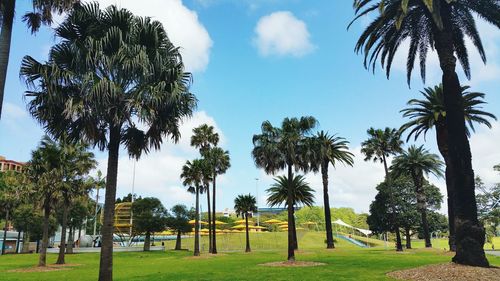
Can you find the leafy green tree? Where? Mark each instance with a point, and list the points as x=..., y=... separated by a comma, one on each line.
x=380, y=145
x=179, y=222
x=430, y=113
x=276, y=149
x=149, y=216
x=245, y=205
x=488, y=202
x=22, y=219
x=10, y=197
x=418, y=162
x=112, y=79
x=36, y=230
x=325, y=150
x=443, y=26
x=42, y=13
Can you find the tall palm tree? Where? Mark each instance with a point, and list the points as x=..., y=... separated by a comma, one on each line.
x=192, y=176
x=329, y=149
x=113, y=79
x=440, y=25
x=417, y=162
x=276, y=149
x=380, y=145
x=245, y=205
x=41, y=14
x=219, y=162
x=204, y=138
x=302, y=194
x=430, y=113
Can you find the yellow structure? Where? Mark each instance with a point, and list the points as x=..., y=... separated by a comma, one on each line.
x=123, y=213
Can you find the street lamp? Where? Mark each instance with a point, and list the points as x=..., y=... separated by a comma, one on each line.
x=257, y=199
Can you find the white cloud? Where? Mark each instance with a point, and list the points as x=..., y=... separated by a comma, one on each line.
x=182, y=25
x=281, y=33
x=486, y=153
x=157, y=174
x=13, y=112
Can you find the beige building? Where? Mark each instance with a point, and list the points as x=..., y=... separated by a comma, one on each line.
x=10, y=165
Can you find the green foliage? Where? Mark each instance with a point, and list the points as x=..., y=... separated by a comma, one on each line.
x=488, y=207
x=24, y=217
x=245, y=204
x=302, y=193
x=149, y=215
x=381, y=144
x=179, y=218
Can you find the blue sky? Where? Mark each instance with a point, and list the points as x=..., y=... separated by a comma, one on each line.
x=265, y=60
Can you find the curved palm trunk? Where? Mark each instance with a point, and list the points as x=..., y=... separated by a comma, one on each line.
x=42, y=260
x=210, y=225
x=247, y=249
x=178, y=243
x=147, y=242
x=421, y=206
x=291, y=246
x=5, y=231
x=71, y=240
x=62, y=246
x=408, y=238
x=326, y=204
x=106, y=260
x=214, y=237
x=5, y=41
x=197, y=225
x=470, y=235
x=442, y=141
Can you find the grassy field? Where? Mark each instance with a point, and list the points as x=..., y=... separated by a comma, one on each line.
x=346, y=262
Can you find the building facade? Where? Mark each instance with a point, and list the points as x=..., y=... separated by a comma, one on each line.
x=10, y=165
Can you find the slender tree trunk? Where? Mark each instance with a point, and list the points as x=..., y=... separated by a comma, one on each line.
x=62, y=246
x=37, y=250
x=326, y=204
x=247, y=249
x=442, y=141
x=18, y=241
x=295, y=242
x=470, y=235
x=386, y=169
x=5, y=41
x=178, y=243
x=26, y=242
x=147, y=242
x=408, y=238
x=42, y=260
x=214, y=237
x=210, y=226
x=79, y=235
x=71, y=240
x=422, y=206
x=291, y=246
x=5, y=231
x=106, y=260
x=197, y=225
x=399, y=244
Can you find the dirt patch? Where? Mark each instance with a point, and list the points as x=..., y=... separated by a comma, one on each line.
x=202, y=257
x=293, y=264
x=447, y=272
x=48, y=268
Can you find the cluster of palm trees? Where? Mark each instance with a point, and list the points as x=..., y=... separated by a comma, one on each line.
x=199, y=173
x=443, y=26
x=293, y=147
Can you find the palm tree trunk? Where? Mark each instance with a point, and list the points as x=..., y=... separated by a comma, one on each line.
x=5, y=40
x=197, y=225
x=62, y=246
x=5, y=231
x=106, y=260
x=291, y=246
x=147, y=242
x=470, y=235
x=295, y=242
x=178, y=243
x=399, y=245
x=42, y=260
x=71, y=240
x=18, y=241
x=214, y=237
x=442, y=141
x=326, y=204
x=26, y=242
x=408, y=238
x=247, y=249
x=386, y=170
x=210, y=246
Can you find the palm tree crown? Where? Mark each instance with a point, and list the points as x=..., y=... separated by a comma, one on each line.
x=245, y=204
x=430, y=112
x=381, y=144
x=329, y=149
x=302, y=193
x=418, y=161
x=204, y=137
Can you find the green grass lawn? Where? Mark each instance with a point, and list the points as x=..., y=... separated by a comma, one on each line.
x=346, y=262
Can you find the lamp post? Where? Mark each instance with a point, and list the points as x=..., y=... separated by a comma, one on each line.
x=257, y=199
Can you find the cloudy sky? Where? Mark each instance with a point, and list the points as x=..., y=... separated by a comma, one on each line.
x=265, y=60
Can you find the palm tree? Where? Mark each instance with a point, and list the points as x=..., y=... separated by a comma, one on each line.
x=276, y=149
x=245, y=205
x=380, y=145
x=41, y=14
x=192, y=176
x=440, y=25
x=430, y=113
x=219, y=162
x=120, y=82
x=302, y=194
x=326, y=150
x=204, y=138
x=417, y=162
